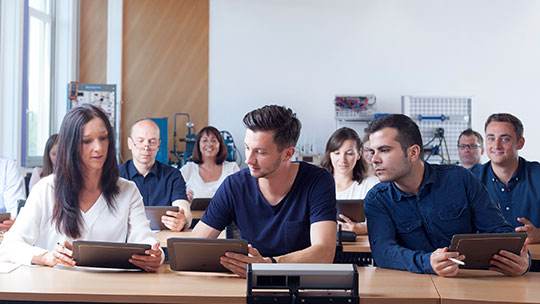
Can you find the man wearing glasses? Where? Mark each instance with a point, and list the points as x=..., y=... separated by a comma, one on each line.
x=512, y=181
x=159, y=184
x=470, y=148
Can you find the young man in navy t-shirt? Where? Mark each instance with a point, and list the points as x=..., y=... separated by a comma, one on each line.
x=286, y=210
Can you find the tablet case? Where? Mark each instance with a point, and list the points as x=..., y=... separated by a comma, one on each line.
x=154, y=214
x=106, y=254
x=194, y=254
x=479, y=248
x=4, y=216
x=200, y=203
x=353, y=209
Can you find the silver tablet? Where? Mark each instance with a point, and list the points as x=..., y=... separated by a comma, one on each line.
x=154, y=214
x=191, y=254
x=479, y=248
x=106, y=254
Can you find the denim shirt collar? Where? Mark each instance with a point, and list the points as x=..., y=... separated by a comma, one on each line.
x=429, y=177
x=518, y=174
x=132, y=170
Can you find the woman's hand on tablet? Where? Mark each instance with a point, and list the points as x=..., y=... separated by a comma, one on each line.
x=149, y=262
x=61, y=255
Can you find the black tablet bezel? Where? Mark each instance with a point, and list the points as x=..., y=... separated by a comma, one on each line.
x=154, y=214
x=200, y=203
x=106, y=254
x=196, y=254
x=358, y=216
x=479, y=248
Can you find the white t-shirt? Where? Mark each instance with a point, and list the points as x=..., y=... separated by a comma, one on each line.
x=358, y=190
x=34, y=233
x=11, y=186
x=195, y=183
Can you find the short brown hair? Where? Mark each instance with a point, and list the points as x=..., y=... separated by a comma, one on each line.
x=196, y=156
x=505, y=117
x=408, y=133
x=278, y=119
x=470, y=132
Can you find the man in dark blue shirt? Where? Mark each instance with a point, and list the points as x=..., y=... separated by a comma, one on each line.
x=159, y=184
x=286, y=210
x=511, y=181
x=417, y=208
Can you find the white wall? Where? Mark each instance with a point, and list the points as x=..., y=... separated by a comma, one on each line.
x=301, y=53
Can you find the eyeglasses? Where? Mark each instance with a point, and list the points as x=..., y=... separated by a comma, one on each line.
x=468, y=146
x=152, y=144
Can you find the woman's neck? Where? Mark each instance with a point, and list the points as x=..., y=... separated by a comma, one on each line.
x=343, y=182
x=92, y=180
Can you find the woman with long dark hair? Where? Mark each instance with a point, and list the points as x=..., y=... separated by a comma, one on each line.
x=49, y=161
x=343, y=158
x=83, y=200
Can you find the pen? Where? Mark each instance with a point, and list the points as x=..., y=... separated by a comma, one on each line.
x=457, y=261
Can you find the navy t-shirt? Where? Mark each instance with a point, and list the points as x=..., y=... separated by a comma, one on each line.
x=161, y=186
x=274, y=230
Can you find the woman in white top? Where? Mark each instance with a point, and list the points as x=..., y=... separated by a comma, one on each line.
x=209, y=168
x=343, y=158
x=49, y=161
x=83, y=200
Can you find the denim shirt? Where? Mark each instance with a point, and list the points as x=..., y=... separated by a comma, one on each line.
x=404, y=229
x=522, y=196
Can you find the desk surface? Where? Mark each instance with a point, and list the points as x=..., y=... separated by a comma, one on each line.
x=483, y=286
x=64, y=284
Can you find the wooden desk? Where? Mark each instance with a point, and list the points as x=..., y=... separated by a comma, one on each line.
x=54, y=284
x=361, y=245
x=62, y=284
x=379, y=285
x=197, y=214
x=483, y=286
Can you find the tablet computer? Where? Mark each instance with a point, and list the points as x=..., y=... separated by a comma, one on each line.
x=106, y=254
x=478, y=248
x=352, y=208
x=200, y=203
x=192, y=254
x=4, y=216
x=154, y=214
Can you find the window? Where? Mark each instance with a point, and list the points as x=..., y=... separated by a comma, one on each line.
x=38, y=72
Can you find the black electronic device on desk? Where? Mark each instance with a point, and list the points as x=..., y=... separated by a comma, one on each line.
x=106, y=254
x=351, y=208
x=194, y=254
x=479, y=248
x=154, y=214
x=200, y=203
x=302, y=283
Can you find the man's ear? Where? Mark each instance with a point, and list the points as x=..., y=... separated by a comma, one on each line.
x=521, y=143
x=130, y=143
x=288, y=153
x=413, y=153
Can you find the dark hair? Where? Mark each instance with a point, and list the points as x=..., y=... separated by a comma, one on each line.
x=278, y=119
x=408, y=132
x=68, y=180
x=505, y=117
x=47, y=162
x=470, y=132
x=196, y=156
x=335, y=141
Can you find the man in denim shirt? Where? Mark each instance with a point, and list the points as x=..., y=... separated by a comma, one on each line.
x=417, y=208
x=511, y=181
